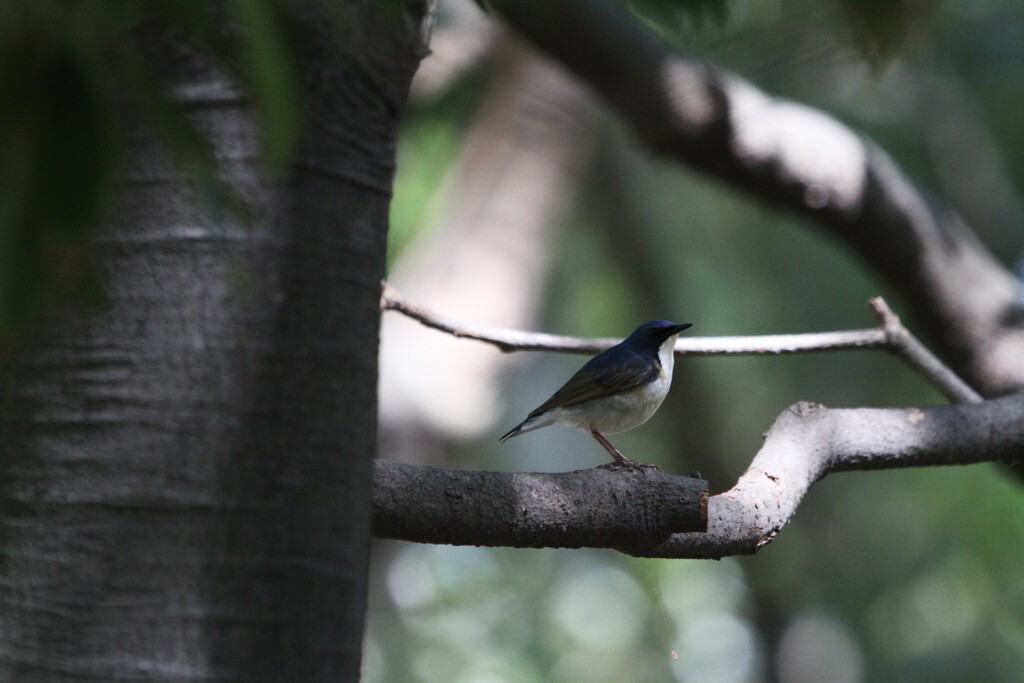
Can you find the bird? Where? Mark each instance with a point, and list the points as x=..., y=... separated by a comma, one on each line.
x=616, y=390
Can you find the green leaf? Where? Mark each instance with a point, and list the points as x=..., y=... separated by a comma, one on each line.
x=268, y=70
x=880, y=30
x=57, y=164
x=673, y=15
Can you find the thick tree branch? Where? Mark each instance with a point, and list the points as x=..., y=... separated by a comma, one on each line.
x=892, y=336
x=798, y=158
x=590, y=508
x=594, y=508
x=809, y=441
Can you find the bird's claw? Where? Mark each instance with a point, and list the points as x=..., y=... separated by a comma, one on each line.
x=628, y=465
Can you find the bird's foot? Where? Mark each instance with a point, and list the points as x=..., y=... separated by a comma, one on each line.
x=621, y=461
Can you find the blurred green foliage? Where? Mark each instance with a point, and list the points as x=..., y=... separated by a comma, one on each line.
x=880, y=30
x=66, y=72
x=431, y=134
x=673, y=15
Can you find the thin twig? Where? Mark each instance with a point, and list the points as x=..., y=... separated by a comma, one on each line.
x=916, y=355
x=505, y=339
x=517, y=340
x=891, y=336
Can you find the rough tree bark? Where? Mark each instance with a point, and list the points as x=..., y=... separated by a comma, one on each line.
x=599, y=507
x=185, y=482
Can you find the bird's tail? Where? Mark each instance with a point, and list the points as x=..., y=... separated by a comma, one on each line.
x=515, y=431
x=528, y=425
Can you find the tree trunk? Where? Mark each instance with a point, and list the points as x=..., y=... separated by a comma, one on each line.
x=185, y=479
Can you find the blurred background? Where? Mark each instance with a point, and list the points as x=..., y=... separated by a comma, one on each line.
x=521, y=202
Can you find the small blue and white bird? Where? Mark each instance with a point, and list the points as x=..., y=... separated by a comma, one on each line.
x=616, y=390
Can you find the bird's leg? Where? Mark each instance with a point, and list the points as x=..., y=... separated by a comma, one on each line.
x=620, y=459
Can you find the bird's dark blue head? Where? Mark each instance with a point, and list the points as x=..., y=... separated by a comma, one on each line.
x=652, y=334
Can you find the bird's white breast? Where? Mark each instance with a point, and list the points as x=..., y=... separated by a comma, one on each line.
x=666, y=354
x=619, y=413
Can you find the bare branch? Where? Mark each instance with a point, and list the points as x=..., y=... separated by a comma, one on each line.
x=590, y=508
x=795, y=157
x=907, y=347
x=809, y=441
x=806, y=443
x=892, y=336
x=505, y=339
x=517, y=340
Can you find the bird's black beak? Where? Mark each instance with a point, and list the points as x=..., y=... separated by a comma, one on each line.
x=676, y=329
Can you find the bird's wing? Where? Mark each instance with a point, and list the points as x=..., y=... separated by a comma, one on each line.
x=612, y=372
